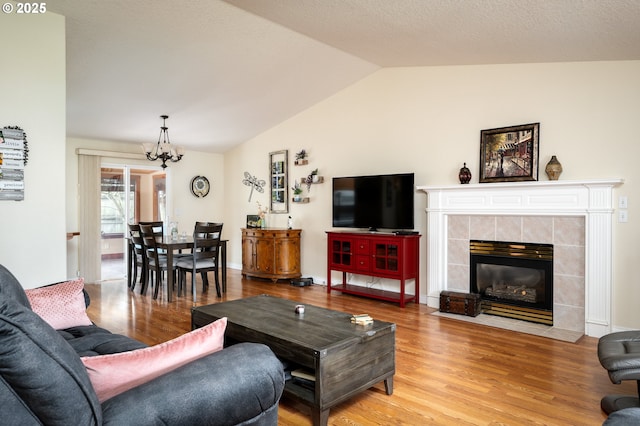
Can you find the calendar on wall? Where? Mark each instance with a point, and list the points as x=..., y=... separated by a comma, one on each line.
x=13, y=157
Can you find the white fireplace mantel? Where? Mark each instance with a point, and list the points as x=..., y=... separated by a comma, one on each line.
x=592, y=199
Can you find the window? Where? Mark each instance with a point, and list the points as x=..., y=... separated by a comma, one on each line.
x=147, y=198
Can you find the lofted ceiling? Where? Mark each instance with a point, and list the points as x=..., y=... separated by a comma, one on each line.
x=225, y=71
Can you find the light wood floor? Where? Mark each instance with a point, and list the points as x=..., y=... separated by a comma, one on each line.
x=448, y=372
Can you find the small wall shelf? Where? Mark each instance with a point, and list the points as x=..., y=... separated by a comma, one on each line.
x=301, y=201
x=303, y=181
x=302, y=162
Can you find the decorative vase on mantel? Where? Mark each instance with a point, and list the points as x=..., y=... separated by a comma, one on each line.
x=553, y=168
x=465, y=174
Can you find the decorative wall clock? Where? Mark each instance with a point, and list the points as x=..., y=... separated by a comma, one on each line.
x=200, y=186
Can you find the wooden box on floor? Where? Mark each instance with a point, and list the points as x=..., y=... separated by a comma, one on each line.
x=460, y=303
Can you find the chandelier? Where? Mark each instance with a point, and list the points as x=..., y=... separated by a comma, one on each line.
x=163, y=149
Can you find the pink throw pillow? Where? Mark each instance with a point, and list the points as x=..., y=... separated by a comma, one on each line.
x=61, y=305
x=116, y=373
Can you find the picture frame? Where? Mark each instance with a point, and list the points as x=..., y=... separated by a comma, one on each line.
x=253, y=221
x=279, y=181
x=509, y=154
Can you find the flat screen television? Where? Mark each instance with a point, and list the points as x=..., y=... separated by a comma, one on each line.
x=374, y=202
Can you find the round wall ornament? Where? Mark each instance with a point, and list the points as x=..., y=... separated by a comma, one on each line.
x=200, y=186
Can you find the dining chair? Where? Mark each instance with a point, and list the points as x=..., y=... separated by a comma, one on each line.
x=138, y=258
x=156, y=261
x=204, y=275
x=158, y=230
x=203, y=258
x=157, y=226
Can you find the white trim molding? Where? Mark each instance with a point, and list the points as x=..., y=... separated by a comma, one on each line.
x=592, y=199
x=110, y=154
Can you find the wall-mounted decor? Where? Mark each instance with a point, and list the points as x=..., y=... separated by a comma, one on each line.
x=297, y=192
x=313, y=177
x=278, y=165
x=509, y=154
x=200, y=186
x=301, y=158
x=254, y=183
x=14, y=153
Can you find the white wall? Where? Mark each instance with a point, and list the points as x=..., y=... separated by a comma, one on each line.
x=33, y=232
x=183, y=206
x=428, y=120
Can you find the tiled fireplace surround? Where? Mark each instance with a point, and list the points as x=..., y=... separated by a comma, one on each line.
x=565, y=233
x=576, y=217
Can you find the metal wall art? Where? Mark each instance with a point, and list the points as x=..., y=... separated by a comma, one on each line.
x=254, y=183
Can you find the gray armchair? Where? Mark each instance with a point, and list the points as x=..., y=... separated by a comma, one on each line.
x=619, y=354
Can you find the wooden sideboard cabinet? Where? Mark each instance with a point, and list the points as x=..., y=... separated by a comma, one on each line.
x=378, y=255
x=271, y=253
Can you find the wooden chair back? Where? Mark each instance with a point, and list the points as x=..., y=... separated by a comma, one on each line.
x=206, y=241
x=135, y=234
x=149, y=242
x=157, y=227
x=138, y=258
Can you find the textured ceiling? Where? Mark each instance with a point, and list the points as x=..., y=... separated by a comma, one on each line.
x=224, y=71
x=460, y=32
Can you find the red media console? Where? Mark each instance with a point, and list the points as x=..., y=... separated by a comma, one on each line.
x=378, y=255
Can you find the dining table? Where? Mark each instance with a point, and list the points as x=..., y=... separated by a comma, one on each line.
x=172, y=244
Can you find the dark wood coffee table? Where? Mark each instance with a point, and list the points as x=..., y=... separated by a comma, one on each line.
x=345, y=358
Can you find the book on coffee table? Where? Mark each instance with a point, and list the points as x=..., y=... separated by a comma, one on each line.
x=361, y=319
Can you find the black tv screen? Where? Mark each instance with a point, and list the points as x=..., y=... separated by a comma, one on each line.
x=374, y=202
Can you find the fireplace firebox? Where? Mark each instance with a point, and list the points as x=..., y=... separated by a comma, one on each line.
x=513, y=279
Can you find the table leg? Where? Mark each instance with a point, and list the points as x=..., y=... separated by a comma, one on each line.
x=169, y=275
x=319, y=417
x=130, y=257
x=328, y=278
x=224, y=266
x=388, y=385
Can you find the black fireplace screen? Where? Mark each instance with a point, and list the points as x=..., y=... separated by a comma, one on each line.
x=518, y=274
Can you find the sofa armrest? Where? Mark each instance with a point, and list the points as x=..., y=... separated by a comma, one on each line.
x=235, y=385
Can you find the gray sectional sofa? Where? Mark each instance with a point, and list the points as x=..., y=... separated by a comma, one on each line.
x=43, y=380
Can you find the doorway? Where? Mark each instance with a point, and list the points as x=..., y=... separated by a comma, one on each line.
x=128, y=194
